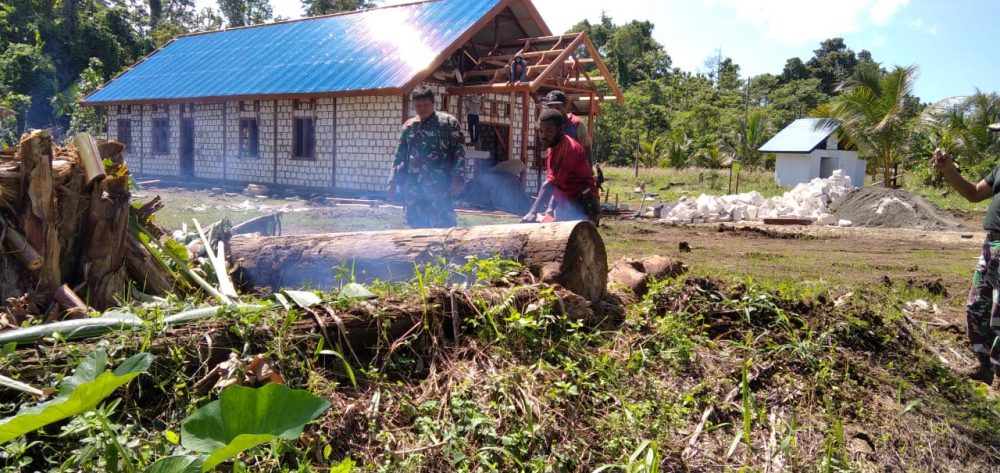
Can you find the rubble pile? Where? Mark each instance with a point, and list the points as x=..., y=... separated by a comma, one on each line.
x=806, y=201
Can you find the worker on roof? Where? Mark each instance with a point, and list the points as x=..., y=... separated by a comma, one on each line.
x=982, y=304
x=573, y=125
x=517, y=70
x=570, y=191
x=429, y=163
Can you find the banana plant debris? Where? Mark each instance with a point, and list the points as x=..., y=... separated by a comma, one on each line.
x=73, y=242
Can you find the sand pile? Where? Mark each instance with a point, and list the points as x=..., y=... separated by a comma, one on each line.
x=879, y=206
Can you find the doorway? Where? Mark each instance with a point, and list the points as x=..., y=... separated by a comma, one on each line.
x=827, y=165
x=494, y=139
x=187, y=147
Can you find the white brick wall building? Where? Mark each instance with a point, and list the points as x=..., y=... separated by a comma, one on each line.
x=355, y=139
x=319, y=102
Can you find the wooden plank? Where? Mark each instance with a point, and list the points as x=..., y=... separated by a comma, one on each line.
x=541, y=39
x=787, y=221
x=594, y=53
x=491, y=88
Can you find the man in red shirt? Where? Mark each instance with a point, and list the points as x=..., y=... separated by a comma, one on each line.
x=572, y=125
x=570, y=190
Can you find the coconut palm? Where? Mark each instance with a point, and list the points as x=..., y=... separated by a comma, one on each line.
x=711, y=157
x=958, y=126
x=872, y=115
x=752, y=134
x=677, y=149
x=651, y=152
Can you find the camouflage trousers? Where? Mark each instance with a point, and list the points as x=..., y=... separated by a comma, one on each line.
x=983, y=305
x=429, y=210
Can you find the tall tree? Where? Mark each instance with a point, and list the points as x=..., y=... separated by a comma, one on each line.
x=326, y=7
x=245, y=12
x=794, y=69
x=634, y=55
x=832, y=63
x=871, y=112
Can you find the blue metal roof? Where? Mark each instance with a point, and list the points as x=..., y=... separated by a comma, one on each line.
x=801, y=136
x=382, y=48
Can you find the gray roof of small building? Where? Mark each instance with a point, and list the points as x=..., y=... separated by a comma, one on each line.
x=801, y=136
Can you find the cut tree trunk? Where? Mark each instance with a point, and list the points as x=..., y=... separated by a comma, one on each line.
x=104, y=254
x=38, y=211
x=570, y=254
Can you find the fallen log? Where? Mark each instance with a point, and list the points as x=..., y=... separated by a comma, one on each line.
x=570, y=254
x=635, y=275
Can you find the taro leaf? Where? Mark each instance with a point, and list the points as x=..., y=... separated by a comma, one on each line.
x=177, y=464
x=355, y=291
x=303, y=299
x=243, y=418
x=79, y=393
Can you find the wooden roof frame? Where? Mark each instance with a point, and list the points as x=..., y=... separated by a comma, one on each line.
x=583, y=83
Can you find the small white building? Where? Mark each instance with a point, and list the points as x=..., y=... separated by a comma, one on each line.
x=808, y=148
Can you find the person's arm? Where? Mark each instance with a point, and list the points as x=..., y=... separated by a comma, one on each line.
x=457, y=152
x=972, y=192
x=583, y=137
x=544, y=194
x=402, y=152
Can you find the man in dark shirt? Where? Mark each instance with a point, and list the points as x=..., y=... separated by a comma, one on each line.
x=570, y=191
x=572, y=125
x=427, y=169
x=982, y=310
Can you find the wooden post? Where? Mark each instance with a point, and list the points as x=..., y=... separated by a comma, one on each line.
x=274, y=138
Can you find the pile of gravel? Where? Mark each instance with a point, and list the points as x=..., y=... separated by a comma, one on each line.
x=879, y=206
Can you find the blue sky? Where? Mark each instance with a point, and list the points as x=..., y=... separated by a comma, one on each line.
x=949, y=41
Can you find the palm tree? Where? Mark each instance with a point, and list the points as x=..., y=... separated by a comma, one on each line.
x=958, y=126
x=871, y=114
x=677, y=149
x=711, y=157
x=651, y=152
x=750, y=136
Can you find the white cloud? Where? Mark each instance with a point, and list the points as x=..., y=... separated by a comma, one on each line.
x=883, y=10
x=879, y=40
x=917, y=24
x=796, y=22
x=282, y=8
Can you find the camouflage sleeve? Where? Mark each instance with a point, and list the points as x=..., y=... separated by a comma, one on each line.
x=402, y=150
x=457, y=149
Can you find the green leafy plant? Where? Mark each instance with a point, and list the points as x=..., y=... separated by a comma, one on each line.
x=243, y=418
x=89, y=385
x=644, y=459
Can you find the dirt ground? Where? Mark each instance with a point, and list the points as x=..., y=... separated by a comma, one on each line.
x=302, y=214
x=831, y=258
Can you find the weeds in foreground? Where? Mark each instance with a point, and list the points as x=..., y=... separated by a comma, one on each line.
x=701, y=373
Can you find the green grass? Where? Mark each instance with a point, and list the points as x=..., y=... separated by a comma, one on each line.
x=947, y=199
x=671, y=184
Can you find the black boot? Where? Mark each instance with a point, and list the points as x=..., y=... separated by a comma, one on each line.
x=982, y=371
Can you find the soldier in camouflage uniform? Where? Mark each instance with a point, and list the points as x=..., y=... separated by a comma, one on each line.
x=982, y=305
x=427, y=169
